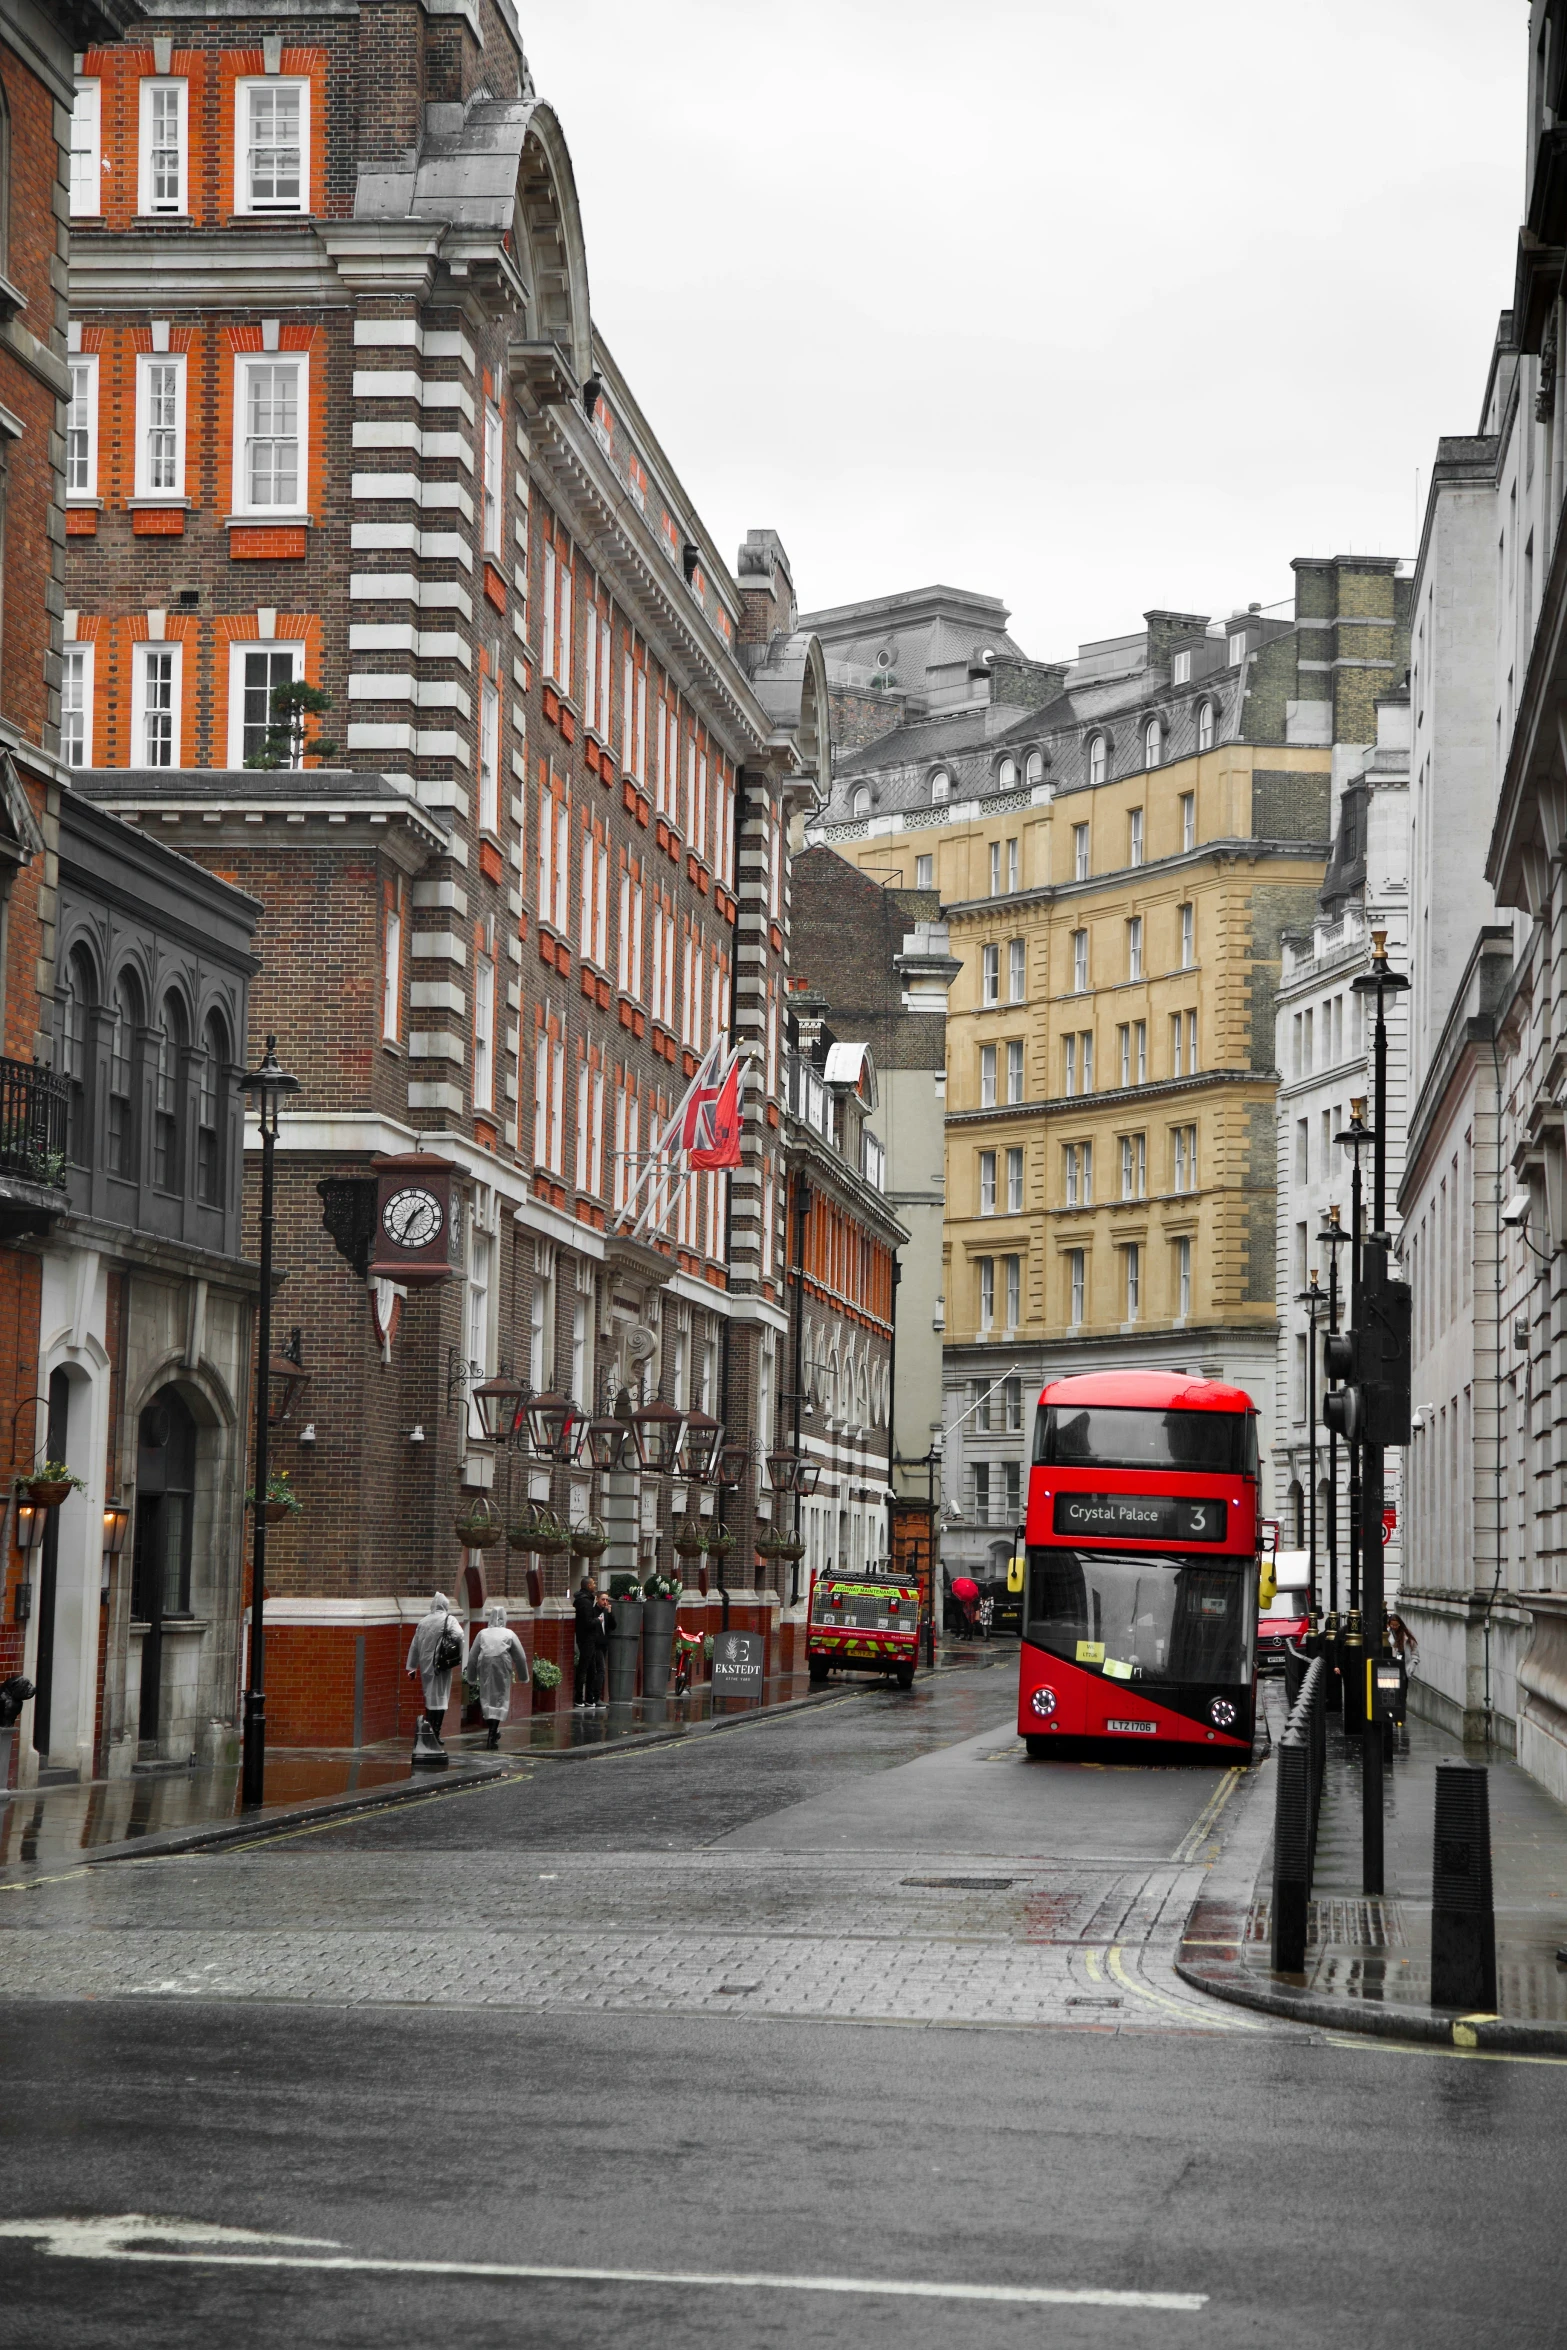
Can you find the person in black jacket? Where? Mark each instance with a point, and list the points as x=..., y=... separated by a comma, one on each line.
x=592, y=1640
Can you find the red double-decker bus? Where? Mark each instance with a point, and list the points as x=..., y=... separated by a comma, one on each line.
x=1140, y=1595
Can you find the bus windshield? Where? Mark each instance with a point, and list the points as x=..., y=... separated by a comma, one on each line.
x=1155, y=1616
x=1098, y=1436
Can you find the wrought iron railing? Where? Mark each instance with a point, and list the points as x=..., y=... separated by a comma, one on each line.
x=35, y=1109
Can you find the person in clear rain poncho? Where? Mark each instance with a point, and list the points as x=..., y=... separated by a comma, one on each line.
x=496, y=1659
x=422, y=1659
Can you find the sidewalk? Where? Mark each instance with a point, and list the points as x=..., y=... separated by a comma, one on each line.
x=174, y=1810
x=1368, y=1960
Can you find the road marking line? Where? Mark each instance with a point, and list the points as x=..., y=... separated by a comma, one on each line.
x=135, y=2238
x=1369, y=2043
x=1222, y=2023
x=1203, y=1824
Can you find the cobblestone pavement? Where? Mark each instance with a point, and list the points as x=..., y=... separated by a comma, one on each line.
x=468, y=1900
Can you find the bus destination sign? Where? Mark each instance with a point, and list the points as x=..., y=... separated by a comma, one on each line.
x=1140, y=1517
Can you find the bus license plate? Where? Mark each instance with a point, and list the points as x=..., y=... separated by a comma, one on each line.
x=1143, y=1729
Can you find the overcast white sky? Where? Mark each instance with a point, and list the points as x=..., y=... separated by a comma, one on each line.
x=1089, y=304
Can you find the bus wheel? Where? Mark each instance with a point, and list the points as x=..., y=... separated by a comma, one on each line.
x=1038, y=1748
x=905, y=1676
x=818, y=1671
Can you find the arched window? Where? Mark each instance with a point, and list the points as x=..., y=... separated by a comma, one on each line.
x=211, y=1109
x=1006, y=775
x=1205, y=726
x=860, y=805
x=169, y=1043
x=124, y=1024
x=1034, y=769
x=1153, y=743
x=940, y=786
x=76, y=1005
x=1297, y=1500
x=1098, y=758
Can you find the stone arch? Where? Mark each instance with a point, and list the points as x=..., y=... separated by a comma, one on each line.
x=549, y=241
x=814, y=734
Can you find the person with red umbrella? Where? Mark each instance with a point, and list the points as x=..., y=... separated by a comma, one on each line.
x=966, y=1593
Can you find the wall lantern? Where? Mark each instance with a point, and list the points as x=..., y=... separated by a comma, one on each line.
x=699, y=1447
x=734, y=1461
x=658, y=1428
x=550, y=1419
x=496, y=1401
x=287, y=1380
x=116, y=1521
x=30, y=1520
x=601, y=1443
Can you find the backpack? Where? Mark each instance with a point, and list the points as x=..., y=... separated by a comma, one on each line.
x=448, y=1649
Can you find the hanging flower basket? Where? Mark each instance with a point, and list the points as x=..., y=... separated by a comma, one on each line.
x=279, y=1501
x=49, y=1484
x=589, y=1539
x=479, y=1529
x=521, y=1533
x=780, y=1546
x=690, y=1538
x=550, y=1537
x=720, y=1542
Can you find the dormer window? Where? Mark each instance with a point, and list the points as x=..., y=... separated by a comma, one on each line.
x=1006, y=775
x=940, y=786
x=1153, y=743
x=1205, y=726
x=1098, y=758
x=1237, y=648
x=1181, y=669
x=1034, y=769
x=860, y=805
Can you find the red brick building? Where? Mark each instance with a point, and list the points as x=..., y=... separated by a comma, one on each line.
x=340, y=416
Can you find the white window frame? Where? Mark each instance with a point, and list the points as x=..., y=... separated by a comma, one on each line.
x=1183, y=1279
x=1237, y=648
x=1014, y=1069
x=1135, y=837
x=80, y=654
x=245, y=363
x=1098, y=759
x=987, y=1077
x=940, y=787
x=492, y=488
x=987, y=1183
x=925, y=872
x=139, y=697
x=84, y=367
x=146, y=206
x=987, y=1293
x=1153, y=744
x=391, y=974
x=238, y=648
x=243, y=89
x=1017, y=971
x=1015, y=1179
x=489, y=757
x=1181, y=668
x=1188, y=820
x=483, y=1033
x=1188, y=936
x=990, y=975
x=1080, y=962
x=860, y=804
x=1081, y=852
x=1134, y=1280
x=1205, y=727
x=146, y=362
x=1077, y=1286
x=1134, y=946
x=1013, y=1273
x=86, y=151
x=995, y=869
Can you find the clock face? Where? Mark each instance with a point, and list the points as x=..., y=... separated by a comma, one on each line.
x=412, y=1218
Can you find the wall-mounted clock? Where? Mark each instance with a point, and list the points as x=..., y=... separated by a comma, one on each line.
x=416, y=1218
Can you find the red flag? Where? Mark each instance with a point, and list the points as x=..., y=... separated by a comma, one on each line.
x=718, y=1131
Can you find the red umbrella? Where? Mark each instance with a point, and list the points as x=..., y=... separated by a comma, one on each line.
x=963, y=1587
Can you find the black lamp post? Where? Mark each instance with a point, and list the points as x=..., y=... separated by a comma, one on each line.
x=1332, y=1237
x=1315, y=1304
x=1355, y=1138
x=268, y=1084
x=1380, y=981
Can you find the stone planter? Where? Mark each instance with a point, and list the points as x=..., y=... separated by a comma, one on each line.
x=658, y=1635
x=625, y=1649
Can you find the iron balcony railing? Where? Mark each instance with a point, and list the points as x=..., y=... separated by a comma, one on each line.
x=35, y=1108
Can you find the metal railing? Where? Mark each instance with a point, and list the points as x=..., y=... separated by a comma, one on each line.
x=1297, y=1802
x=35, y=1108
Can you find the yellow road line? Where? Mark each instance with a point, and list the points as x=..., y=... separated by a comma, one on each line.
x=1203, y=1824
x=1225, y=2022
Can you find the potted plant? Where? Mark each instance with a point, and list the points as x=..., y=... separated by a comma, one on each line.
x=478, y=1527
x=660, y=1599
x=589, y=1538
x=279, y=1501
x=625, y=1637
x=546, y=1680
x=49, y=1484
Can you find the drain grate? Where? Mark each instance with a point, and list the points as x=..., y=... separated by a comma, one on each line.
x=964, y=1884
x=1366, y=1924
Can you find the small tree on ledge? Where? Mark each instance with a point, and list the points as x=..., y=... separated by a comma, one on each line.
x=284, y=744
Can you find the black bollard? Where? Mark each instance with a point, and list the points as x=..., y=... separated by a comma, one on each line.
x=1463, y=1923
x=1292, y=1827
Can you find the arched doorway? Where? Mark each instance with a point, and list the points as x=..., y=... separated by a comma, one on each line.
x=160, y=1571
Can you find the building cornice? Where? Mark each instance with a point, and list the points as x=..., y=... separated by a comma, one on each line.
x=1080, y=1105
x=1229, y=851
x=212, y=269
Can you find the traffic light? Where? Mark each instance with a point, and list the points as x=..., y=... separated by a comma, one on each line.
x=1372, y=1404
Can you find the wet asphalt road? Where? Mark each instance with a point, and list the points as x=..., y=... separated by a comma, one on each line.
x=523, y=2026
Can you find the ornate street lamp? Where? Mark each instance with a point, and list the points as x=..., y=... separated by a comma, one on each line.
x=734, y=1462
x=496, y=1401
x=658, y=1428
x=792, y=1472
x=699, y=1448
x=267, y=1085
x=550, y=1420
x=601, y=1442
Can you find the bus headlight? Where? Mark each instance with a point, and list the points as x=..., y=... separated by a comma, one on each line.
x=1222, y=1712
x=1043, y=1702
